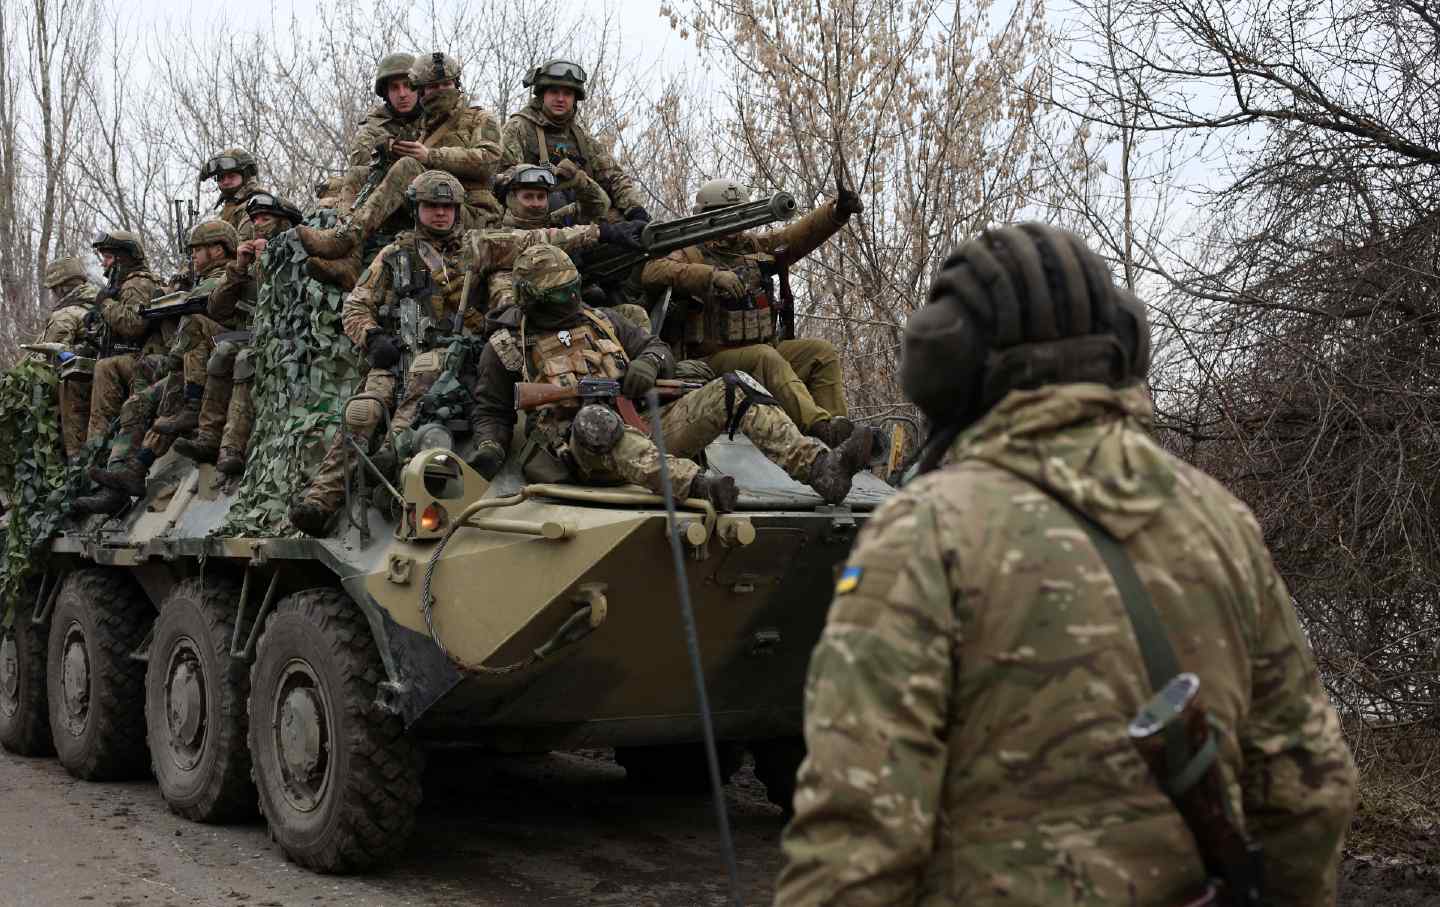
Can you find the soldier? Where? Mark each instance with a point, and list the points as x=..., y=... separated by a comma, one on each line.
x=395, y=117
x=552, y=337
x=731, y=319
x=427, y=266
x=968, y=703
x=455, y=137
x=526, y=191
x=546, y=132
x=236, y=177
x=227, y=412
x=157, y=378
x=73, y=307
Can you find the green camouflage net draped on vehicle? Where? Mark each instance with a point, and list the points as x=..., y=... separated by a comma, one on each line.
x=305, y=368
x=32, y=465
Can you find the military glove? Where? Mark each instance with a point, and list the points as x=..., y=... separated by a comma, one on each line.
x=726, y=285
x=847, y=203
x=639, y=377
x=566, y=170
x=638, y=213
x=382, y=349
x=625, y=234
x=487, y=459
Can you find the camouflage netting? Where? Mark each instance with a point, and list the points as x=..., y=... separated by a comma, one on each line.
x=305, y=368
x=32, y=464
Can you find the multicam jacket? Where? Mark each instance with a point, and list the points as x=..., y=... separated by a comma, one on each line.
x=522, y=144
x=967, y=703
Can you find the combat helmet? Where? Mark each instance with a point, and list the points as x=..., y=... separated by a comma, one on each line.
x=525, y=176
x=1018, y=308
x=390, y=66
x=124, y=242
x=213, y=232
x=558, y=73
x=435, y=67
x=270, y=203
x=545, y=277
x=64, y=270
x=436, y=187
x=230, y=160
x=721, y=193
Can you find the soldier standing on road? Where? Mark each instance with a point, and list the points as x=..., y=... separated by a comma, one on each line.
x=730, y=308
x=73, y=307
x=433, y=259
x=546, y=132
x=968, y=703
x=456, y=137
x=552, y=337
x=227, y=412
x=236, y=177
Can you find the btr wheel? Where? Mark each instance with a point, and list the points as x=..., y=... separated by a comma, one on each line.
x=195, y=696
x=24, y=714
x=776, y=764
x=679, y=768
x=96, y=690
x=338, y=778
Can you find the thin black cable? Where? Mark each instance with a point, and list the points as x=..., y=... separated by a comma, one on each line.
x=692, y=642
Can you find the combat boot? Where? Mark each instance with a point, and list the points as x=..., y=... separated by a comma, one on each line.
x=336, y=242
x=128, y=476
x=310, y=517
x=202, y=448
x=105, y=500
x=717, y=489
x=231, y=462
x=833, y=431
x=187, y=419
x=831, y=472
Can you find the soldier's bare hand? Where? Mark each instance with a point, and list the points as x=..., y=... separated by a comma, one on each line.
x=412, y=149
x=726, y=284
x=245, y=254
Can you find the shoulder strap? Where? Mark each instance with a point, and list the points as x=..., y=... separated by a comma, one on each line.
x=544, y=151
x=605, y=327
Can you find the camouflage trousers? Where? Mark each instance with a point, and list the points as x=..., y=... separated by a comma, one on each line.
x=74, y=415
x=116, y=379
x=804, y=375
x=689, y=424
x=363, y=418
x=227, y=411
x=161, y=395
x=389, y=198
x=193, y=344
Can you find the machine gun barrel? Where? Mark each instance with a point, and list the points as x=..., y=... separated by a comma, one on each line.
x=608, y=265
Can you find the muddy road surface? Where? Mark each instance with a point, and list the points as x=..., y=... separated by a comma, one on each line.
x=496, y=832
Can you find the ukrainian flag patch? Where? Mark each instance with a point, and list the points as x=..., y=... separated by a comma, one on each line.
x=849, y=580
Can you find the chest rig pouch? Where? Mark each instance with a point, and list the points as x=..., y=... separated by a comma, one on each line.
x=726, y=322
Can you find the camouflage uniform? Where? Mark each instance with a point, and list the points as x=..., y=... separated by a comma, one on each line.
x=804, y=375
x=589, y=206
x=66, y=326
x=118, y=376
x=532, y=137
x=231, y=207
x=968, y=703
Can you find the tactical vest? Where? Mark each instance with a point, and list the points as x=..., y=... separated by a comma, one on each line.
x=588, y=350
x=430, y=271
x=725, y=323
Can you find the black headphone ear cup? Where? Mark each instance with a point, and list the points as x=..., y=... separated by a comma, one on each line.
x=941, y=362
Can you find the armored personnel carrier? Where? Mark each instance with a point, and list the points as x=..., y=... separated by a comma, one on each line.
x=309, y=675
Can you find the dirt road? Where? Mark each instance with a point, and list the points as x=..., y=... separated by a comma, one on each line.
x=562, y=829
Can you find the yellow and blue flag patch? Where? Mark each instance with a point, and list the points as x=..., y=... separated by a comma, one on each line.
x=849, y=580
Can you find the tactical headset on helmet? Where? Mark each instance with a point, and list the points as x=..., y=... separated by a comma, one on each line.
x=721, y=193
x=273, y=204
x=525, y=176
x=390, y=66
x=434, y=67
x=123, y=242
x=231, y=160
x=213, y=232
x=558, y=74
x=1019, y=308
x=63, y=270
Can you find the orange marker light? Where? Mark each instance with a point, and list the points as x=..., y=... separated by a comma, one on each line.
x=432, y=519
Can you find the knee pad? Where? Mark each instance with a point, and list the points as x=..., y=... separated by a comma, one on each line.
x=222, y=360
x=245, y=365
x=427, y=362
x=597, y=428
x=361, y=416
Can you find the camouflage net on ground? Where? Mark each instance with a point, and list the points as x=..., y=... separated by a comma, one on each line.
x=305, y=369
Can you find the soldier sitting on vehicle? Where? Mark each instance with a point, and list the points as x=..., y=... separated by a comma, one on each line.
x=546, y=131
x=73, y=308
x=422, y=274
x=236, y=177
x=135, y=447
x=730, y=321
x=397, y=115
x=530, y=192
x=227, y=412
x=551, y=337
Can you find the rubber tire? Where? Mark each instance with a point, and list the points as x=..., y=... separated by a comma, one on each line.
x=677, y=768
x=27, y=731
x=776, y=764
x=218, y=788
x=114, y=615
x=367, y=812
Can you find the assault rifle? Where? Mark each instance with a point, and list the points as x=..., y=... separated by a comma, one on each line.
x=608, y=266
x=530, y=395
x=185, y=214
x=71, y=365
x=173, y=305
x=1232, y=860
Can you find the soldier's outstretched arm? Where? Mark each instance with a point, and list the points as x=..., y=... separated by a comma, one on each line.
x=876, y=706
x=1299, y=779
x=477, y=153
x=791, y=243
x=676, y=270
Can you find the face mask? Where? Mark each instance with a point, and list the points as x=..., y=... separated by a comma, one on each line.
x=551, y=307
x=440, y=101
